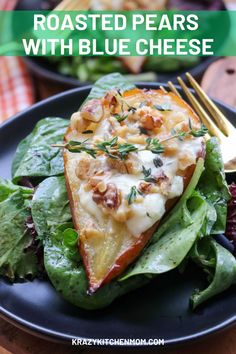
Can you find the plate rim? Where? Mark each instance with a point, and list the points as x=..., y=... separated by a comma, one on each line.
x=59, y=337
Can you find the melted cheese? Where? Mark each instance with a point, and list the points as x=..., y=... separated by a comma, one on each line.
x=146, y=213
x=149, y=208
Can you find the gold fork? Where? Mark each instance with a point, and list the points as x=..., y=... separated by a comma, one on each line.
x=216, y=122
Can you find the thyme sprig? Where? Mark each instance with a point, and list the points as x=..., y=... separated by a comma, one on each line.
x=154, y=145
x=191, y=132
x=120, y=117
x=110, y=148
x=78, y=146
x=117, y=151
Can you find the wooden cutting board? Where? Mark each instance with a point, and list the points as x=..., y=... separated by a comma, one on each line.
x=219, y=80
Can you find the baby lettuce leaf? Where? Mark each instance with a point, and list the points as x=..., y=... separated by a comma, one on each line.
x=219, y=263
x=35, y=157
x=109, y=82
x=16, y=261
x=50, y=205
x=213, y=185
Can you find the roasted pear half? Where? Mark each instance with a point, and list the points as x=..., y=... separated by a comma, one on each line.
x=128, y=158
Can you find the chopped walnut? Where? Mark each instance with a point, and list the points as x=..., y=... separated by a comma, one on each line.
x=87, y=167
x=133, y=164
x=186, y=159
x=109, y=199
x=145, y=187
x=150, y=118
x=118, y=165
x=78, y=123
x=92, y=110
x=112, y=102
x=160, y=178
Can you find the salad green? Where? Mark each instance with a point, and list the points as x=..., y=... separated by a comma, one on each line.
x=185, y=234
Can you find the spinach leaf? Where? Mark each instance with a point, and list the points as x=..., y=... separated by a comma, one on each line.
x=219, y=263
x=50, y=205
x=213, y=185
x=35, y=157
x=172, y=248
x=7, y=188
x=51, y=215
x=69, y=278
x=20, y=152
x=180, y=213
x=16, y=260
x=107, y=83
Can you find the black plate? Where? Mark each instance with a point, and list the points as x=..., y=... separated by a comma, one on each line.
x=158, y=310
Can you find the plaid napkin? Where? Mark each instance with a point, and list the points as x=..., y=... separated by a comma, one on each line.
x=16, y=89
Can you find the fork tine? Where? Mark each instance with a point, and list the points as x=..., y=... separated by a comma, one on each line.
x=174, y=89
x=220, y=119
x=201, y=112
x=163, y=89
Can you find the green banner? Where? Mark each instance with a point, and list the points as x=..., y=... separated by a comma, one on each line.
x=123, y=33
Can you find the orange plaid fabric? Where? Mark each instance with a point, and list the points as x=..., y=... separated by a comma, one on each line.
x=7, y=5
x=16, y=89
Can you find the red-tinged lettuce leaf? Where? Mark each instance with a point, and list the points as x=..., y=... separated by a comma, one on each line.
x=17, y=260
x=231, y=216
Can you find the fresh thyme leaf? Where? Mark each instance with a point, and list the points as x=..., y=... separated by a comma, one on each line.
x=164, y=107
x=114, y=150
x=132, y=109
x=133, y=194
x=80, y=146
x=87, y=132
x=120, y=117
x=123, y=101
x=143, y=130
x=146, y=172
x=150, y=179
x=190, y=124
x=106, y=147
x=154, y=145
x=74, y=143
x=181, y=135
x=125, y=149
x=173, y=131
x=157, y=162
x=201, y=132
x=147, y=175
